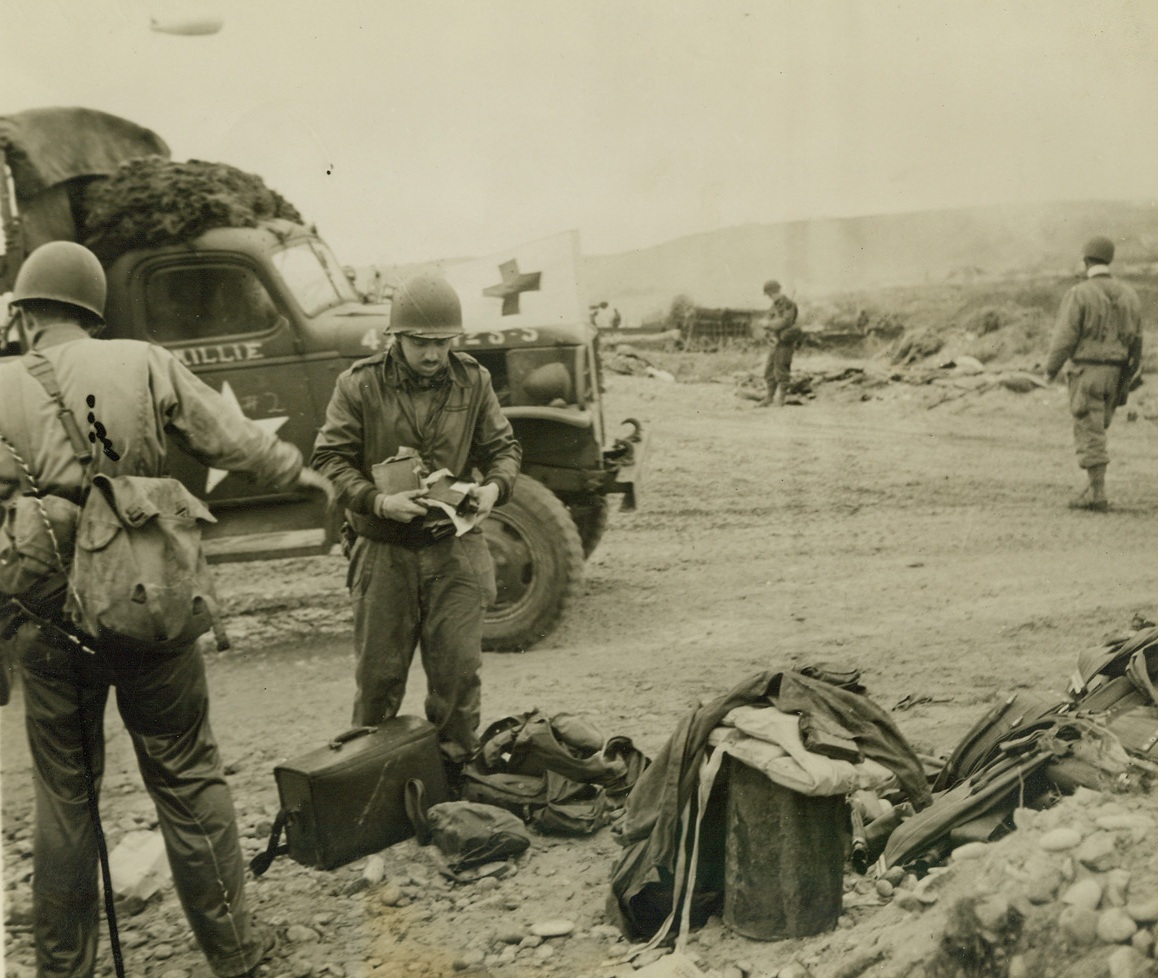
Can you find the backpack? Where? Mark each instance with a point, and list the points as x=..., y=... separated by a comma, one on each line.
x=139, y=574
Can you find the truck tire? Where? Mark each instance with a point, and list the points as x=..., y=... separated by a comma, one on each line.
x=538, y=560
x=589, y=514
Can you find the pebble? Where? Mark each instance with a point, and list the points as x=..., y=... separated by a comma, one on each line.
x=1085, y=893
x=1143, y=909
x=1059, y=840
x=992, y=913
x=509, y=936
x=468, y=959
x=175, y=973
x=1017, y=967
x=1115, y=926
x=884, y=888
x=531, y=940
x=970, y=850
x=1142, y=942
x=1078, y=925
x=301, y=934
x=544, y=952
x=374, y=870
x=486, y=884
x=1098, y=852
x=894, y=874
x=552, y=928
x=1125, y=962
x=1043, y=883
x=301, y=969
x=1125, y=823
x=162, y=952
x=390, y=895
x=1117, y=883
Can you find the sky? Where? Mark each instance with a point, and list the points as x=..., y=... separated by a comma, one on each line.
x=409, y=131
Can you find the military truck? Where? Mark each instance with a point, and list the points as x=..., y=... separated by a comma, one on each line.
x=264, y=313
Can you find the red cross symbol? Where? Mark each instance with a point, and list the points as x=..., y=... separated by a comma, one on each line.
x=512, y=285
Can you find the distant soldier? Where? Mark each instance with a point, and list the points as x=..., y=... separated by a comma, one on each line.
x=1099, y=333
x=783, y=334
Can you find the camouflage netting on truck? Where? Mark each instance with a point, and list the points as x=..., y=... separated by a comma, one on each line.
x=153, y=201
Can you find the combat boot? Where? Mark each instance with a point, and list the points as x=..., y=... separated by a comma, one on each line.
x=1093, y=496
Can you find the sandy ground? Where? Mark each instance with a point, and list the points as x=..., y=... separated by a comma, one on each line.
x=924, y=540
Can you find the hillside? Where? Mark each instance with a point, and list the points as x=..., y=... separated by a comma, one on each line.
x=821, y=257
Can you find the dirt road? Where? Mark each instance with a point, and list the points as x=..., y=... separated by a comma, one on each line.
x=930, y=546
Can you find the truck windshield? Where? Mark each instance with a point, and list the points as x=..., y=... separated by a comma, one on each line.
x=314, y=276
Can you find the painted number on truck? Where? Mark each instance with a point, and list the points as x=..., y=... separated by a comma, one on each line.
x=505, y=338
x=206, y=356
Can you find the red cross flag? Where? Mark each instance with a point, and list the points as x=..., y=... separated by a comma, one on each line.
x=532, y=286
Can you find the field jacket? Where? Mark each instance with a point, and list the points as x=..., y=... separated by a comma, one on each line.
x=127, y=396
x=373, y=413
x=642, y=880
x=1100, y=321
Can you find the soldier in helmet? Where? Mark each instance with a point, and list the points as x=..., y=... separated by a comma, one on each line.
x=135, y=396
x=413, y=583
x=1099, y=335
x=783, y=335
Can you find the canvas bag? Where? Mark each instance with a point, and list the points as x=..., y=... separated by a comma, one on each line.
x=139, y=575
x=36, y=543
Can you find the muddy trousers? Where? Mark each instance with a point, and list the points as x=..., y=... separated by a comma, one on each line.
x=433, y=598
x=1093, y=396
x=163, y=700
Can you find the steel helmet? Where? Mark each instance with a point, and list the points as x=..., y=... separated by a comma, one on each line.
x=771, y=286
x=426, y=306
x=62, y=271
x=1099, y=248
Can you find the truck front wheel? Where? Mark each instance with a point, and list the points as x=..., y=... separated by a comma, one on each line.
x=538, y=560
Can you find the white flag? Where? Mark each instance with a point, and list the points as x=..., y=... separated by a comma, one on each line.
x=532, y=286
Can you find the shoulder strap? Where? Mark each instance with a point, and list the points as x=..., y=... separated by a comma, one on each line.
x=42, y=370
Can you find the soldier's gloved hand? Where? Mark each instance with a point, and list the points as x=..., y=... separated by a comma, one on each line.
x=401, y=506
x=309, y=479
x=485, y=497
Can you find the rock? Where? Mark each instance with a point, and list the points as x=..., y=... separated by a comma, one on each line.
x=1115, y=926
x=543, y=952
x=1143, y=909
x=468, y=959
x=531, y=940
x=374, y=870
x=908, y=900
x=1117, y=882
x=390, y=895
x=894, y=875
x=1125, y=962
x=1125, y=822
x=992, y=913
x=1060, y=840
x=1078, y=925
x=884, y=888
x=359, y=885
x=1085, y=893
x=970, y=850
x=1098, y=852
x=1043, y=883
x=139, y=865
x=162, y=952
x=552, y=928
x=1017, y=967
x=301, y=934
x=509, y=936
x=175, y=973
x=487, y=884
x=1142, y=942
x=300, y=968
